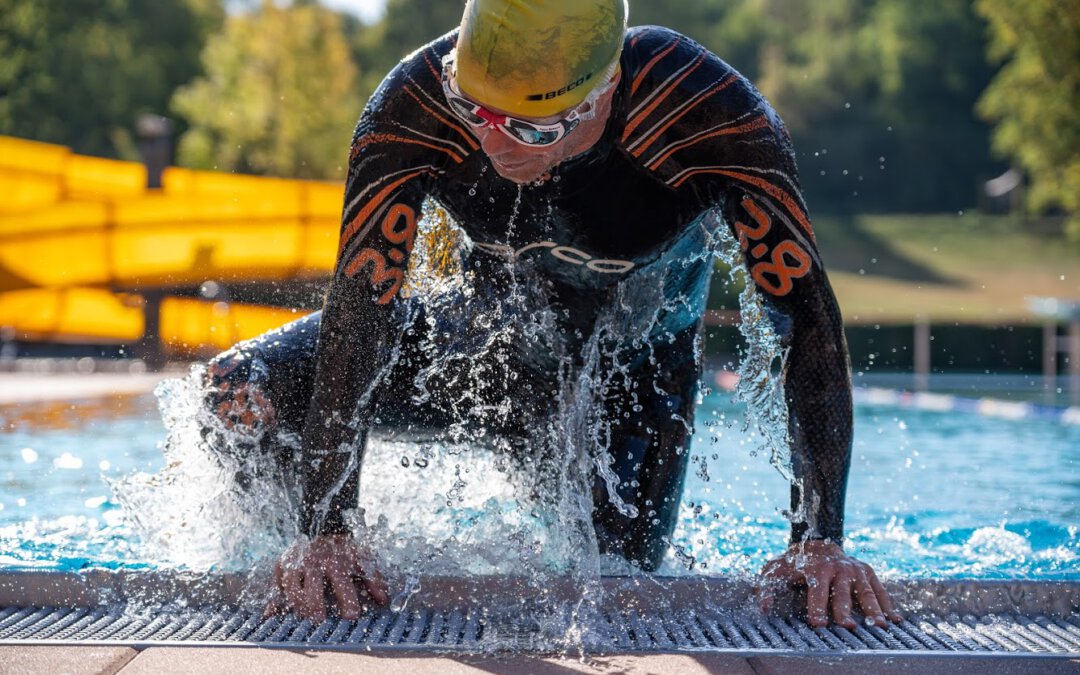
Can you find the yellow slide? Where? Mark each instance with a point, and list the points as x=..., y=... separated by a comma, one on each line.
x=81, y=237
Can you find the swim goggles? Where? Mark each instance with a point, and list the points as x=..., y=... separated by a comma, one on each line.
x=532, y=134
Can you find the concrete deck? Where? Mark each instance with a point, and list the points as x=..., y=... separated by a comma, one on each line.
x=31, y=387
x=91, y=660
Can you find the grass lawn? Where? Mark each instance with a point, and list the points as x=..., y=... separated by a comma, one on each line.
x=969, y=268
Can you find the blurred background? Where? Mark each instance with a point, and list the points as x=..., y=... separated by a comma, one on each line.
x=171, y=170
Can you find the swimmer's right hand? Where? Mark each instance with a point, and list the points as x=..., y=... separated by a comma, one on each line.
x=307, y=568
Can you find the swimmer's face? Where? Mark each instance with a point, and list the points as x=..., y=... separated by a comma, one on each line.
x=522, y=164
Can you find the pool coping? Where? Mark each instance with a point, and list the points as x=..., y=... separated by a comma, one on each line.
x=933, y=596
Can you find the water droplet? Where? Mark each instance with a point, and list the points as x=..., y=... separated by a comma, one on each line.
x=68, y=461
x=29, y=455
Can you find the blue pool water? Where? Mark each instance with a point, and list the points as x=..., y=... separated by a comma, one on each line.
x=931, y=494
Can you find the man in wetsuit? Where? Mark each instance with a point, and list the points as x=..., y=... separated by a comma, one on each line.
x=588, y=167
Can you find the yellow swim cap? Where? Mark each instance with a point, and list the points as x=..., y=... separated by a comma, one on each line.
x=536, y=58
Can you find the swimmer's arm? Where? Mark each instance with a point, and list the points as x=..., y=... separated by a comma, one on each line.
x=358, y=329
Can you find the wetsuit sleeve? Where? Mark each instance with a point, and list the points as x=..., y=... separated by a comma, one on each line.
x=782, y=260
x=761, y=202
x=386, y=183
x=702, y=128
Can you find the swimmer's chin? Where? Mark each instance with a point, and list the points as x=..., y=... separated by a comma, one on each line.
x=523, y=174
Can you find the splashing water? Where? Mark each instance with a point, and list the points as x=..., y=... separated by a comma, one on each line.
x=465, y=500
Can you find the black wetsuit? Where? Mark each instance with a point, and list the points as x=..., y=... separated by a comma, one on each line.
x=626, y=224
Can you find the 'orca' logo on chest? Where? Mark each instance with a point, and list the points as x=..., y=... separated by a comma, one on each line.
x=564, y=253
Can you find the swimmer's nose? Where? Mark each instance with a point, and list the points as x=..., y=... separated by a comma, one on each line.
x=495, y=143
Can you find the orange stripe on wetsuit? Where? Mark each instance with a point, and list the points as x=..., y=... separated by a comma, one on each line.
x=365, y=213
x=469, y=139
x=775, y=192
x=758, y=123
x=652, y=139
x=368, y=139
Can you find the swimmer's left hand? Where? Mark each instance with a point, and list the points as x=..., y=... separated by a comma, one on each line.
x=833, y=579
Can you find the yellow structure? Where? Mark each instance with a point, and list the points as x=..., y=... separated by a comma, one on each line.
x=81, y=237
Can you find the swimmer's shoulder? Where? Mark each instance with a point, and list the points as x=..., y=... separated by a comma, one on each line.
x=680, y=100
x=408, y=116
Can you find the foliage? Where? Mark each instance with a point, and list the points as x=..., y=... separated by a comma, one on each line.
x=878, y=95
x=78, y=72
x=407, y=24
x=278, y=96
x=1035, y=97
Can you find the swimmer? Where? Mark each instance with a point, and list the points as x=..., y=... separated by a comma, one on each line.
x=577, y=155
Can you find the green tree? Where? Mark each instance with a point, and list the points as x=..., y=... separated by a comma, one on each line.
x=406, y=25
x=879, y=96
x=78, y=72
x=279, y=95
x=1035, y=97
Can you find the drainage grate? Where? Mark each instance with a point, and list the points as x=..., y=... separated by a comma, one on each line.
x=477, y=631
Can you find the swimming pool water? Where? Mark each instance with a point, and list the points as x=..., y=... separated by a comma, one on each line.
x=931, y=494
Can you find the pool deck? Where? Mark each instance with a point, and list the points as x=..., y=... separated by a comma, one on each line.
x=166, y=660
x=37, y=387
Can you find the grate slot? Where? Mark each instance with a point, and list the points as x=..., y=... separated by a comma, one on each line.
x=118, y=629
x=229, y=628
x=1018, y=633
x=659, y=631
x=95, y=629
x=774, y=638
x=809, y=636
x=454, y=623
x=13, y=616
x=28, y=617
x=1033, y=633
x=1070, y=628
x=474, y=627
x=617, y=632
x=378, y=629
x=868, y=638
x=42, y=624
x=397, y=629
x=848, y=638
x=6, y=613
x=283, y=629
x=939, y=632
x=197, y=628
x=639, y=634
x=915, y=637
x=340, y=632
x=209, y=625
x=319, y=633
x=157, y=625
x=714, y=633
x=733, y=634
x=73, y=617
x=744, y=625
x=1072, y=641
x=87, y=621
x=359, y=631
x=831, y=640
x=419, y=626
x=267, y=627
x=959, y=628
x=990, y=632
x=693, y=629
x=894, y=638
